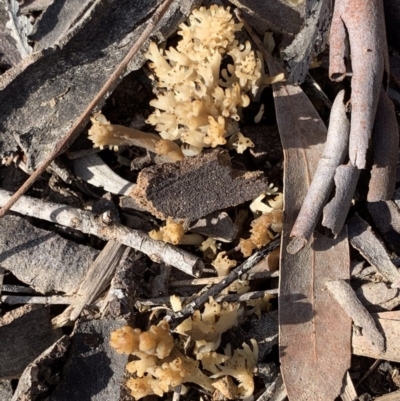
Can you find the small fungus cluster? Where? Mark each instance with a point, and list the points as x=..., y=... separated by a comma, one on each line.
x=198, y=101
x=160, y=367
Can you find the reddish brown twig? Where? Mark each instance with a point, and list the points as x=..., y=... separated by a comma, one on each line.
x=70, y=135
x=362, y=21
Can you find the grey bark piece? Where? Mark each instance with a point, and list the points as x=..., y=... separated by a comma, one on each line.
x=25, y=333
x=347, y=299
x=275, y=15
x=14, y=30
x=6, y=391
x=95, y=171
x=45, y=95
x=93, y=370
x=310, y=41
x=386, y=217
x=196, y=187
x=36, y=381
x=217, y=225
x=364, y=240
x=56, y=20
x=42, y=259
x=376, y=294
x=97, y=279
x=389, y=323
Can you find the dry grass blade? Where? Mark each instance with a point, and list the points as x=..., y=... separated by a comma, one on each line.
x=314, y=331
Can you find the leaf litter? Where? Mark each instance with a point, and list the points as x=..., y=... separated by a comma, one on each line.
x=172, y=245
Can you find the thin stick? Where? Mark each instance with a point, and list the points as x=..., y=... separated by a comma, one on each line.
x=88, y=223
x=215, y=280
x=227, y=281
x=62, y=144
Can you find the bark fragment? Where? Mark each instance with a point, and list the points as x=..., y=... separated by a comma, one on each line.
x=35, y=381
x=362, y=22
x=323, y=181
x=196, y=186
x=389, y=324
x=25, y=333
x=93, y=369
x=347, y=299
x=336, y=210
x=42, y=259
x=364, y=240
x=386, y=149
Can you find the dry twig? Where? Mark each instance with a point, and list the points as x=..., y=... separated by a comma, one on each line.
x=87, y=223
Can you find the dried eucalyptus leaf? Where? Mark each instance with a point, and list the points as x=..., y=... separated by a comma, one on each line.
x=310, y=41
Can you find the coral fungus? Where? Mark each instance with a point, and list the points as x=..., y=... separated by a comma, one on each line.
x=196, y=105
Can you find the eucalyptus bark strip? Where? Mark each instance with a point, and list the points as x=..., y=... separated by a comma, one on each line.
x=347, y=299
x=88, y=223
x=336, y=210
x=362, y=23
x=97, y=279
x=364, y=240
x=386, y=148
x=77, y=126
x=323, y=181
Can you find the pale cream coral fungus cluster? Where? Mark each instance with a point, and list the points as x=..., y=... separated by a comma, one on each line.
x=264, y=227
x=194, y=105
x=160, y=367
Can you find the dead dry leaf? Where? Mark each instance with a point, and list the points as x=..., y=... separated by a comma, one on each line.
x=314, y=331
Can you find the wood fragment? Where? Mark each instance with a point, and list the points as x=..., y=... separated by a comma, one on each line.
x=25, y=332
x=347, y=299
x=87, y=223
x=386, y=218
x=280, y=393
x=55, y=22
x=305, y=308
x=349, y=392
x=388, y=323
x=83, y=116
x=275, y=15
x=38, y=300
x=362, y=22
x=235, y=274
x=375, y=296
x=38, y=257
x=364, y=240
x=336, y=210
x=172, y=189
x=96, y=280
x=385, y=140
x=93, y=369
x=310, y=41
x=93, y=170
x=35, y=381
x=217, y=225
x=322, y=183
x=215, y=280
